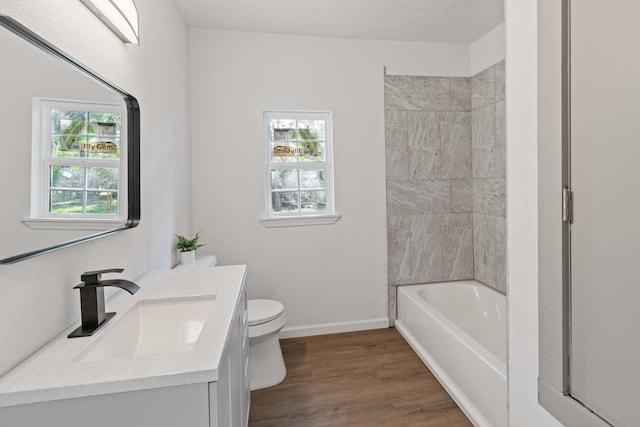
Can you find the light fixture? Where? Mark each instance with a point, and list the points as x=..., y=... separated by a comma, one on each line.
x=121, y=16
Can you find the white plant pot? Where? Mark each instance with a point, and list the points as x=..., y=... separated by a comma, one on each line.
x=187, y=257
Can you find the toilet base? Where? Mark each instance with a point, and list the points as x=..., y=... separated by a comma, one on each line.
x=266, y=365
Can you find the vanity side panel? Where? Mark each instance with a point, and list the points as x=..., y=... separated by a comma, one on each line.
x=185, y=405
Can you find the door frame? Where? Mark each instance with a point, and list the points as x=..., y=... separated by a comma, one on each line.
x=554, y=248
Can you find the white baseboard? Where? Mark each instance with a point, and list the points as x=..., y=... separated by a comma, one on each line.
x=333, y=328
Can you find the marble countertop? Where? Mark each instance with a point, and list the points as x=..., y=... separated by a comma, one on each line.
x=55, y=371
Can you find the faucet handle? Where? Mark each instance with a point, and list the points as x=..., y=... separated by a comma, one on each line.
x=93, y=277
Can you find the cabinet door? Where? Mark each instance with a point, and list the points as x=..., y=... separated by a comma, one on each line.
x=605, y=233
x=239, y=355
x=230, y=394
x=220, y=404
x=246, y=404
x=237, y=382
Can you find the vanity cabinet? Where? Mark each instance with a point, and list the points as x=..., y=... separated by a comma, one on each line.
x=182, y=395
x=230, y=395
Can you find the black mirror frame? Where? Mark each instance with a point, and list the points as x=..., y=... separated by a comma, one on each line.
x=133, y=140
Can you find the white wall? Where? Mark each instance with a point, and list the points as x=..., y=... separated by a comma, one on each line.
x=522, y=210
x=329, y=277
x=487, y=50
x=37, y=301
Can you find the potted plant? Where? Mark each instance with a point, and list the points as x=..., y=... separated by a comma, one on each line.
x=187, y=248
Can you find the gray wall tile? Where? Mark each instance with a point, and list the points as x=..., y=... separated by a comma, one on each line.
x=482, y=247
x=499, y=76
x=455, y=129
x=400, y=93
x=483, y=88
x=416, y=93
x=434, y=93
x=478, y=190
x=501, y=255
x=418, y=197
x=393, y=311
x=424, y=144
x=486, y=160
x=494, y=197
x=401, y=198
x=489, y=245
x=424, y=130
x=415, y=248
x=462, y=195
x=426, y=248
x=424, y=164
x=398, y=245
x=500, y=147
x=489, y=196
x=396, y=145
x=460, y=93
x=457, y=247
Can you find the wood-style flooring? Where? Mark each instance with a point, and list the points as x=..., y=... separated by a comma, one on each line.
x=370, y=378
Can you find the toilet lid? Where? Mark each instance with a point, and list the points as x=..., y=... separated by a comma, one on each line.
x=263, y=311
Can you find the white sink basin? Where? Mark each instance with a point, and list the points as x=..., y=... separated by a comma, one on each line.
x=152, y=327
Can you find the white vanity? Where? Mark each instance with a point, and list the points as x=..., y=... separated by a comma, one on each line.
x=176, y=354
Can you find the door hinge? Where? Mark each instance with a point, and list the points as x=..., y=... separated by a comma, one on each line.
x=567, y=205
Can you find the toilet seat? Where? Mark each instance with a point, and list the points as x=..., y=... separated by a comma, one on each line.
x=263, y=310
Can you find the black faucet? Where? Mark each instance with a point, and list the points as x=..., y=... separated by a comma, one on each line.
x=92, y=300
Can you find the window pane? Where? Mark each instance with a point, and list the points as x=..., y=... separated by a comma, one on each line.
x=62, y=201
x=67, y=176
x=316, y=126
x=72, y=132
x=286, y=201
x=311, y=134
x=102, y=202
x=104, y=130
x=103, y=178
x=313, y=201
x=108, y=117
x=282, y=151
x=284, y=179
x=60, y=119
x=281, y=129
x=312, y=179
x=282, y=133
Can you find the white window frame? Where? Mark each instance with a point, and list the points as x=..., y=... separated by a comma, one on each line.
x=42, y=159
x=288, y=219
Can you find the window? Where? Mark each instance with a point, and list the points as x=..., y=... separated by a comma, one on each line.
x=77, y=162
x=299, y=174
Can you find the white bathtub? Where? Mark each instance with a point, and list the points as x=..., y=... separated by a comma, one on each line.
x=459, y=330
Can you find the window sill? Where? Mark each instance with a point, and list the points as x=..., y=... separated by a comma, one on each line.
x=73, y=223
x=297, y=221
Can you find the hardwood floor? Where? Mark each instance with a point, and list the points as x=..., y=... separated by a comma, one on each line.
x=369, y=378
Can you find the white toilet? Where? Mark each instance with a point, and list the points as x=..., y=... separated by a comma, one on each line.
x=266, y=365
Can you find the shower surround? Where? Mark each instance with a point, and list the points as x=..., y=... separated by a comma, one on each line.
x=445, y=169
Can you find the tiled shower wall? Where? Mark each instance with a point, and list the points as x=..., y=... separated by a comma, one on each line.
x=445, y=167
x=489, y=172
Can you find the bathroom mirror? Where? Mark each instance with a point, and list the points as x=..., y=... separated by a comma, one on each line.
x=102, y=153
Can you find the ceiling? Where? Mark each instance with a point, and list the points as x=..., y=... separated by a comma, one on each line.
x=443, y=21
